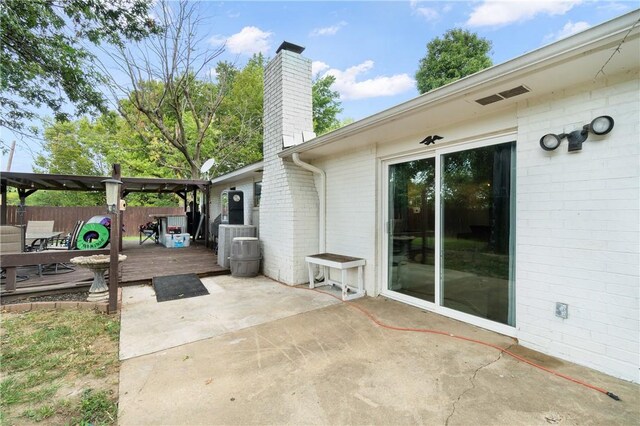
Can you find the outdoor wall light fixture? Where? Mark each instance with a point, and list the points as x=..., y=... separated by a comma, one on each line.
x=112, y=188
x=599, y=126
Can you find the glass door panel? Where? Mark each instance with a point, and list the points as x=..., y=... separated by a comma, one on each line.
x=411, y=240
x=477, y=207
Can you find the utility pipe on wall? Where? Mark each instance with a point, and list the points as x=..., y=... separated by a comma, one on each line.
x=321, y=198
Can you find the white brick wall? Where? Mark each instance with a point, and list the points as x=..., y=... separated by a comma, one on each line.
x=577, y=214
x=578, y=229
x=351, y=209
x=289, y=203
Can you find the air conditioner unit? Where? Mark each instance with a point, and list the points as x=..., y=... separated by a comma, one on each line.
x=226, y=234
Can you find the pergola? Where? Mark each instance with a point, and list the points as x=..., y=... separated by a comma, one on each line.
x=29, y=183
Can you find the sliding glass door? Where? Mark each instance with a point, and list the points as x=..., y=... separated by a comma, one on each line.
x=475, y=225
x=411, y=234
x=476, y=231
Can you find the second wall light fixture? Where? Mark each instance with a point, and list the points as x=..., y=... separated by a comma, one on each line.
x=599, y=126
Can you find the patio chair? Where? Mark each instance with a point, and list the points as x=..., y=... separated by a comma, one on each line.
x=149, y=230
x=11, y=243
x=66, y=242
x=39, y=226
x=35, y=229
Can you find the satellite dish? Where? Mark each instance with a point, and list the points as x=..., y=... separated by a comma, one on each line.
x=207, y=165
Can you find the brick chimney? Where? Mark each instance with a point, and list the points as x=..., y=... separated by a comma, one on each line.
x=289, y=201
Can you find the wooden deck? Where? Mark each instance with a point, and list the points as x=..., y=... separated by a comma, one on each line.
x=143, y=263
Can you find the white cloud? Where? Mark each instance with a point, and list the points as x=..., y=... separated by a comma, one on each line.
x=569, y=29
x=218, y=40
x=248, y=41
x=613, y=6
x=493, y=13
x=428, y=13
x=327, y=31
x=349, y=88
x=317, y=67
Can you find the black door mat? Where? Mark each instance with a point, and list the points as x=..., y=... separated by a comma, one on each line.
x=174, y=287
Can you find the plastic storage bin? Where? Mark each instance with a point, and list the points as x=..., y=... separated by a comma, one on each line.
x=245, y=257
x=176, y=240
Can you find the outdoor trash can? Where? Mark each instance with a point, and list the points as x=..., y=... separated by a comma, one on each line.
x=245, y=257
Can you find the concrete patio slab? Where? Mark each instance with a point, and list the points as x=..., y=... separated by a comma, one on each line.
x=232, y=304
x=334, y=366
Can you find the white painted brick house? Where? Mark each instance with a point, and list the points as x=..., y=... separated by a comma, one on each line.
x=544, y=234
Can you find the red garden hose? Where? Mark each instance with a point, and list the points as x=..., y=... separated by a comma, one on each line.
x=467, y=339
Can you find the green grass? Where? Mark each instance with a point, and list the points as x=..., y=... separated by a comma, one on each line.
x=468, y=256
x=481, y=264
x=96, y=408
x=41, y=413
x=475, y=257
x=45, y=351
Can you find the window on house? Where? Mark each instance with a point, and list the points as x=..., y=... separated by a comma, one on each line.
x=257, y=191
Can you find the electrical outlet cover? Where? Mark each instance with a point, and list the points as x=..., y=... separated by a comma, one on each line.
x=562, y=310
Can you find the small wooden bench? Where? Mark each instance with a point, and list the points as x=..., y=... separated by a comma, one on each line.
x=343, y=263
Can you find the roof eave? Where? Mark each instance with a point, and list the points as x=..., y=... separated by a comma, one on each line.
x=532, y=61
x=241, y=173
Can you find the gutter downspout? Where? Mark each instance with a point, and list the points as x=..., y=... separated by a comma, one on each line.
x=321, y=199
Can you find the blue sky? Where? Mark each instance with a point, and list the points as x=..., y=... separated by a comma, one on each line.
x=373, y=47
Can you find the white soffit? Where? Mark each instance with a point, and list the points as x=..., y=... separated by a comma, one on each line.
x=252, y=170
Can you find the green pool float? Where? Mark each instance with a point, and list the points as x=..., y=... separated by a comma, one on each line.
x=93, y=236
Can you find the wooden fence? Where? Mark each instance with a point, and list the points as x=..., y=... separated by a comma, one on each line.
x=65, y=217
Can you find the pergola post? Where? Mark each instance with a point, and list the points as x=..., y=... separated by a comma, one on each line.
x=115, y=249
x=22, y=206
x=205, y=212
x=121, y=215
x=3, y=200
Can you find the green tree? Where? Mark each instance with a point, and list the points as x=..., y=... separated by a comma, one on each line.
x=238, y=124
x=197, y=117
x=457, y=54
x=45, y=58
x=71, y=147
x=89, y=147
x=74, y=147
x=169, y=85
x=326, y=105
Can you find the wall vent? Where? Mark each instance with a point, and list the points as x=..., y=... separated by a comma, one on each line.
x=514, y=92
x=503, y=95
x=489, y=99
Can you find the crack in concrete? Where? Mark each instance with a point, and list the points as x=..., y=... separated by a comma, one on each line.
x=473, y=384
